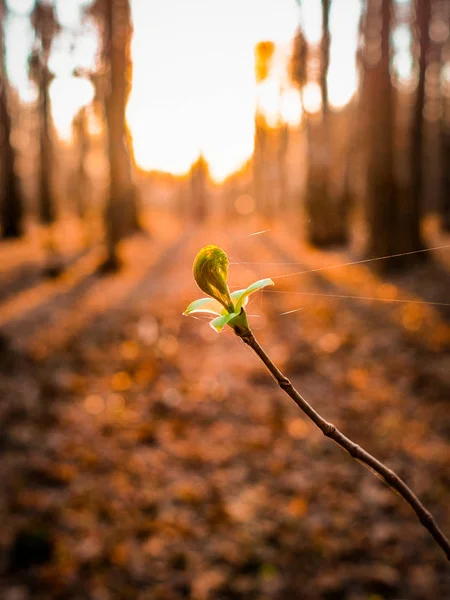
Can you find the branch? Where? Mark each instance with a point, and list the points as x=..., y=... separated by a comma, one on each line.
x=358, y=453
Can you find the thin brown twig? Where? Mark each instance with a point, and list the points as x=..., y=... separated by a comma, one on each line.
x=358, y=453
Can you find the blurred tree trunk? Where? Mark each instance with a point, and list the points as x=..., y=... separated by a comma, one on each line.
x=326, y=217
x=325, y=54
x=282, y=150
x=121, y=210
x=319, y=220
x=382, y=194
x=299, y=62
x=345, y=201
x=80, y=188
x=260, y=191
x=445, y=149
x=199, y=177
x=46, y=201
x=45, y=25
x=264, y=52
x=298, y=68
x=412, y=211
x=445, y=131
x=11, y=200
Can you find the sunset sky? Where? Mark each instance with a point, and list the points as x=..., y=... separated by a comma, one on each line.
x=193, y=80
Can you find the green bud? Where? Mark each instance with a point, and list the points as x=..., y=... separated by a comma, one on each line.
x=211, y=274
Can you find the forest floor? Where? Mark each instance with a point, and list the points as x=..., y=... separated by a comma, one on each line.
x=145, y=457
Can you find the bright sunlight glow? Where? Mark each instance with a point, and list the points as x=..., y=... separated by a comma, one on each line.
x=195, y=92
x=194, y=87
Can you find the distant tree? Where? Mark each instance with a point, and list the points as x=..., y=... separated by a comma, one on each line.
x=298, y=63
x=264, y=52
x=382, y=212
x=199, y=175
x=260, y=191
x=445, y=129
x=326, y=218
x=413, y=211
x=45, y=26
x=393, y=214
x=275, y=140
x=11, y=201
x=121, y=218
x=319, y=220
x=445, y=162
x=282, y=149
x=298, y=74
x=80, y=189
x=325, y=54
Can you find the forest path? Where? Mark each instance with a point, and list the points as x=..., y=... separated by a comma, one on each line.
x=157, y=459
